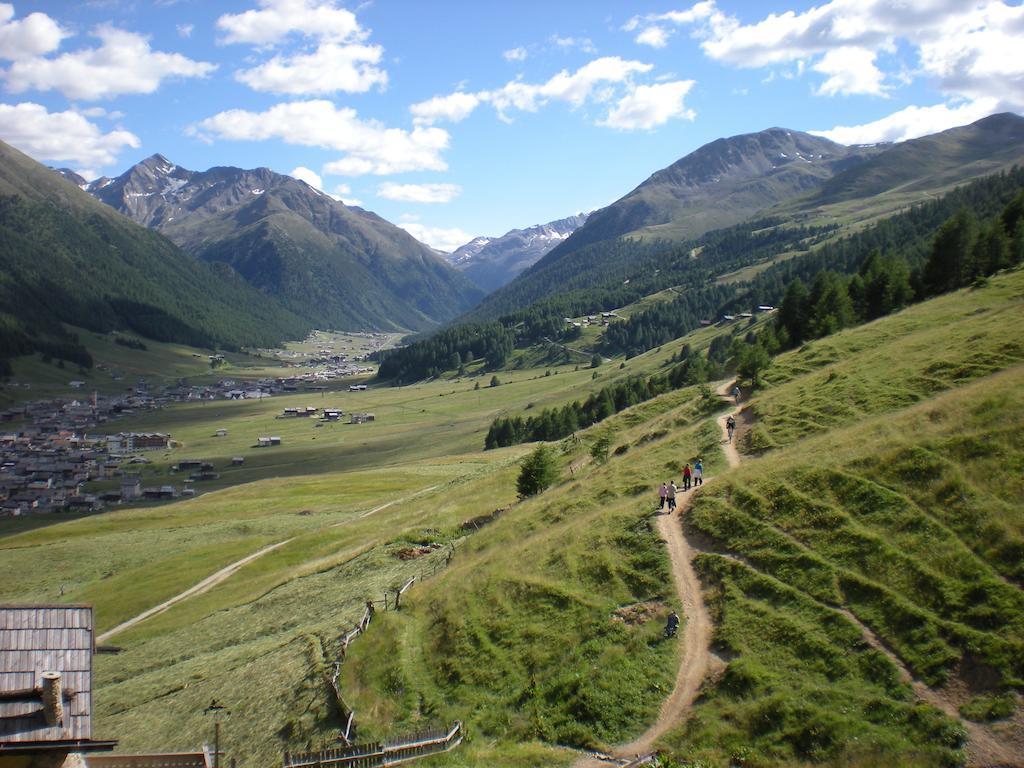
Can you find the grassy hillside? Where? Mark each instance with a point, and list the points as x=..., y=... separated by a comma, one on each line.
x=902, y=515
x=877, y=512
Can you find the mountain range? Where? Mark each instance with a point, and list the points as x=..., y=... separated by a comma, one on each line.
x=491, y=262
x=779, y=175
x=334, y=265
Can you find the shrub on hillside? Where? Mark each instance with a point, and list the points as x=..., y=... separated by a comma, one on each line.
x=538, y=471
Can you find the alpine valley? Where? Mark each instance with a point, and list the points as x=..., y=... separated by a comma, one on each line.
x=729, y=472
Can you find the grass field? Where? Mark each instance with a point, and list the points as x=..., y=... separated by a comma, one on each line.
x=881, y=488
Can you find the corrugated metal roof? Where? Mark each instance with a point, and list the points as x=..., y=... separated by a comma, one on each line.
x=45, y=638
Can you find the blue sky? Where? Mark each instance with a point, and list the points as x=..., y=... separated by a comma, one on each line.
x=464, y=118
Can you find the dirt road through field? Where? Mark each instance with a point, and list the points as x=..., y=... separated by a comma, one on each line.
x=228, y=571
x=203, y=586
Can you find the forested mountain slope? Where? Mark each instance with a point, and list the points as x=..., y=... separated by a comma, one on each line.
x=782, y=176
x=334, y=265
x=66, y=258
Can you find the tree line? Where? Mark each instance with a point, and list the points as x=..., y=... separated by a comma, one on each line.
x=964, y=251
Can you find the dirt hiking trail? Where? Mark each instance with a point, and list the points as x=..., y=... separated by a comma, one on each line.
x=203, y=586
x=696, y=659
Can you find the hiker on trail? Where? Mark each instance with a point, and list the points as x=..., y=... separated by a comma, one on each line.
x=687, y=474
x=730, y=426
x=698, y=473
x=736, y=394
x=671, y=496
x=369, y=607
x=671, y=624
x=662, y=494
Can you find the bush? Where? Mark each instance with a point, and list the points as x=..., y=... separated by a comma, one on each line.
x=538, y=471
x=599, y=450
x=985, y=709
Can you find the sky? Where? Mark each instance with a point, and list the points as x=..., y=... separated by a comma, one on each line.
x=459, y=118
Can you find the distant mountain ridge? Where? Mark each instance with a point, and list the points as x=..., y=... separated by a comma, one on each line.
x=338, y=266
x=778, y=173
x=491, y=262
x=719, y=184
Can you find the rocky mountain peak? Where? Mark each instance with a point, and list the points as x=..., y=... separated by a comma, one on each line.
x=493, y=261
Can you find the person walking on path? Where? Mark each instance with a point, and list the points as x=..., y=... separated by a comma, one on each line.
x=662, y=494
x=687, y=475
x=730, y=425
x=736, y=394
x=698, y=473
x=672, y=496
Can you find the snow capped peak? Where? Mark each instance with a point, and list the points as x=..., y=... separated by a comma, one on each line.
x=493, y=261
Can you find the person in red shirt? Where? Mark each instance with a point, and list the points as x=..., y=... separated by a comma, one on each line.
x=687, y=474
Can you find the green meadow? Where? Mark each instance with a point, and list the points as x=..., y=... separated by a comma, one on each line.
x=878, y=506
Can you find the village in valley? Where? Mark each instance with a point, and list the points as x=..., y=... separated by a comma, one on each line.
x=67, y=455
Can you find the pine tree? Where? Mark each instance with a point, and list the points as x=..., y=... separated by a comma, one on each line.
x=537, y=473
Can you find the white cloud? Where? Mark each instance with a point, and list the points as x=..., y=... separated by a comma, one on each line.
x=124, y=63
x=61, y=137
x=599, y=81
x=648, y=106
x=911, y=123
x=332, y=67
x=309, y=176
x=100, y=112
x=419, y=193
x=437, y=237
x=654, y=36
x=370, y=146
x=185, y=30
x=584, y=44
x=515, y=54
x=573, y=88
x=454, y=108
x=277, y=19
x=850, y=70
x=341, y=61
x=970, y=48
x=33, y=35
x=343, y=193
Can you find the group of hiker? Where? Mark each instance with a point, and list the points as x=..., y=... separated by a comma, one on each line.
x=692, y=477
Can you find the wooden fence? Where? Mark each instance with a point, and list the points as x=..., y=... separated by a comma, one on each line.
x=375, y=754
x=390, y=603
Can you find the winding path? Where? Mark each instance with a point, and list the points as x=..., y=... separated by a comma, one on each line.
x=696, y=657
x=203, y=586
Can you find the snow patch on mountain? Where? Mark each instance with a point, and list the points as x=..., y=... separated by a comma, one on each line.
x=491, y=262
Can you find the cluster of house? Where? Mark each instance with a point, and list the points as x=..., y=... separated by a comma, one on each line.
x=603, y=319
x=325, y=414
x=738, y=316
x=49, y=449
